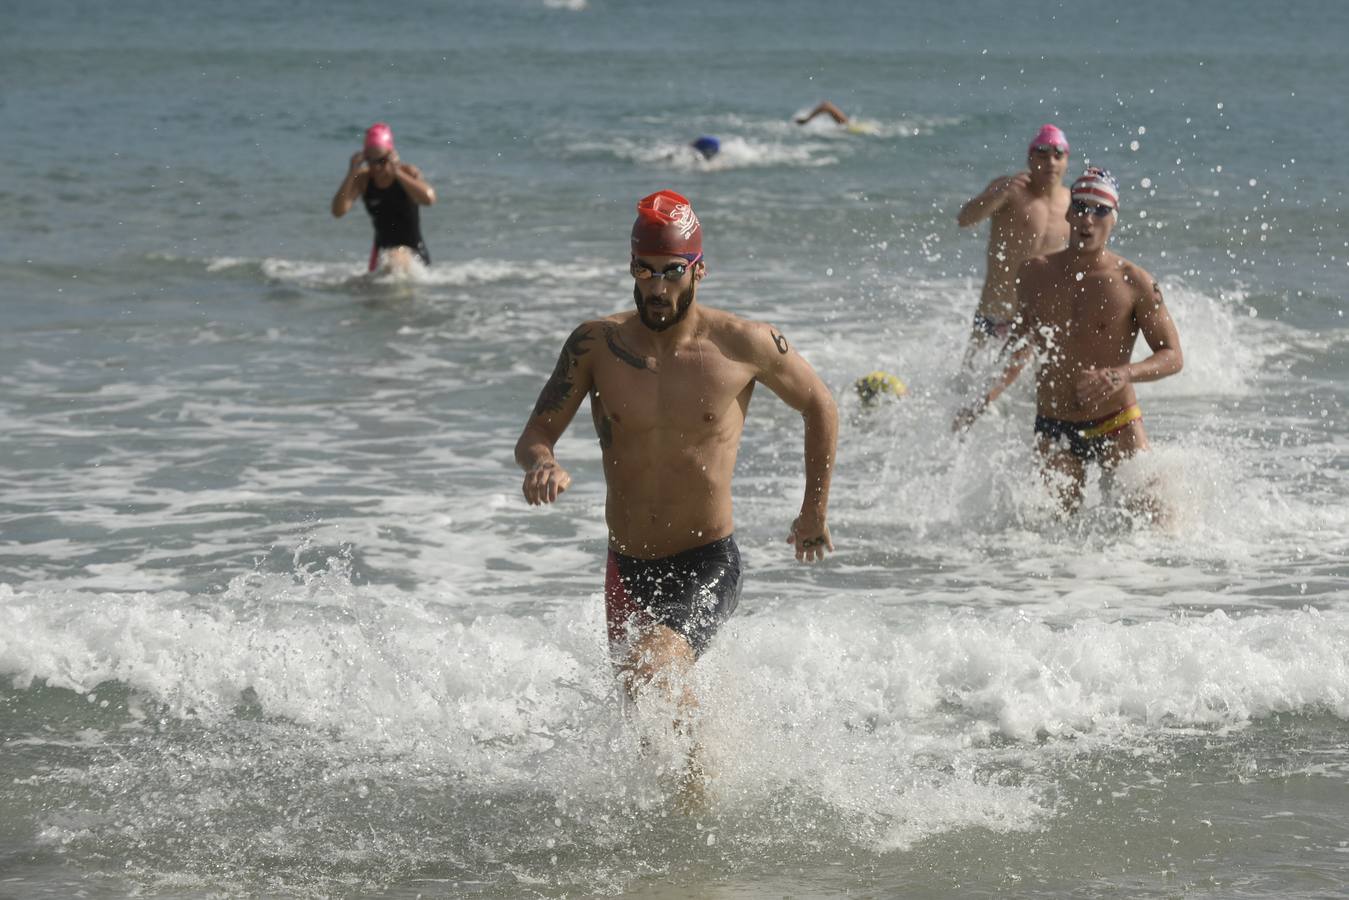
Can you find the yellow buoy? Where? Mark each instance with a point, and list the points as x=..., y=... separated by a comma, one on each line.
x=871, y=387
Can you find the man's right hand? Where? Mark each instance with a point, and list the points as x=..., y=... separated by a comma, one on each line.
x=544, y=482
x=357, y=160
x=811, y=537
x=966, y=415
x=964, y=418
x=1018, y=182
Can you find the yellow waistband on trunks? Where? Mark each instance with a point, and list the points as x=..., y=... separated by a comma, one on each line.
x=1114, y=423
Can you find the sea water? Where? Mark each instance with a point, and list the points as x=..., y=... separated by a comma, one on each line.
x=275, y=619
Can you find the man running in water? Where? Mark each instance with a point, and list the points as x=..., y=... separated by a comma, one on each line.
x=1028, y=220
x=669, y=386
x=1080, y=312
x=392, y=191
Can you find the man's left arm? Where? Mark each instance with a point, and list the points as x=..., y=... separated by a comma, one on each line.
x=1158, y=329
x=411, y=178
x=787, y=374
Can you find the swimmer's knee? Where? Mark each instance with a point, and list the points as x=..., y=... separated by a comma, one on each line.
x=653, y=651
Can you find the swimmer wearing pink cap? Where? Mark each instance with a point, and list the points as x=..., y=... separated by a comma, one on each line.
x=1048, y=139
x=669, y=385
x=1026, y=211
x=379, y=137
x=1079, y=313
x=393, y=191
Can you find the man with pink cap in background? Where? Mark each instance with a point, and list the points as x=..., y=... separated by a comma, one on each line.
x=392, y=191
x=1027, y=211
x=669, y=386
x=1079, y=313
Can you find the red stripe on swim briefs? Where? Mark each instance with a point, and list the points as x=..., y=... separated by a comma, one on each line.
x=619, y=607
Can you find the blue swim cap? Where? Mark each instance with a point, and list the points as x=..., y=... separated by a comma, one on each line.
x=708, y=146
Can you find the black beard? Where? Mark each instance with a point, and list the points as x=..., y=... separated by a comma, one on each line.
x=682, y=304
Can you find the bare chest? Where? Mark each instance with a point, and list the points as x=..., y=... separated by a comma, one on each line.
x=687, y=394
x=1087, y=315
x=1032, y=226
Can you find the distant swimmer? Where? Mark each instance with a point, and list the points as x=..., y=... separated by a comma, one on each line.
x=669, y=387
x=1080, y=310
x=707, y=146
x=825, y=108
x=392, y=191
x=1028, y=220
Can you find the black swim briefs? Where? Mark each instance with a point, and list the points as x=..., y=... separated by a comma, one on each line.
x=994, y=328
x=1087, y=440
x=692, y=592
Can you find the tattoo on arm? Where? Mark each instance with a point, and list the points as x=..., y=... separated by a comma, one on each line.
x=555, y=393
x=619, y=349
x=780, y=342
x=1157, y=293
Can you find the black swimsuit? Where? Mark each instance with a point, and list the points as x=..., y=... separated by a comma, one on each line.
x=994, y=328
x=692, y=592
x=1087, y=440
x=397, y=220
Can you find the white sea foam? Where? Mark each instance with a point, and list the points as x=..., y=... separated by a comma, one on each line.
x=863, y=126
x=758, y=143
x=883, y=714
x=736, y=153
x=310, y=273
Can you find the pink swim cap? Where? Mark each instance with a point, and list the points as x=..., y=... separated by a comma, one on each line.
x=666, y=226
x=379, y=137
x=1050, y=134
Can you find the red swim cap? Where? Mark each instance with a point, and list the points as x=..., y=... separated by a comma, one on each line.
x=666, y=226
x=379, y=137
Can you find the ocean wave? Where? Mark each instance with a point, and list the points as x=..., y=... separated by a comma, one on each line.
x=365, y=660
x=857, y=724
x=324, y=274
x=736, y=153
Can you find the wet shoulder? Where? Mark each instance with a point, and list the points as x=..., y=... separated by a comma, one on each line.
x=588, y=328
x=593, y=332
x=742, y=339
x=600, y=324
x=1139, y=279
